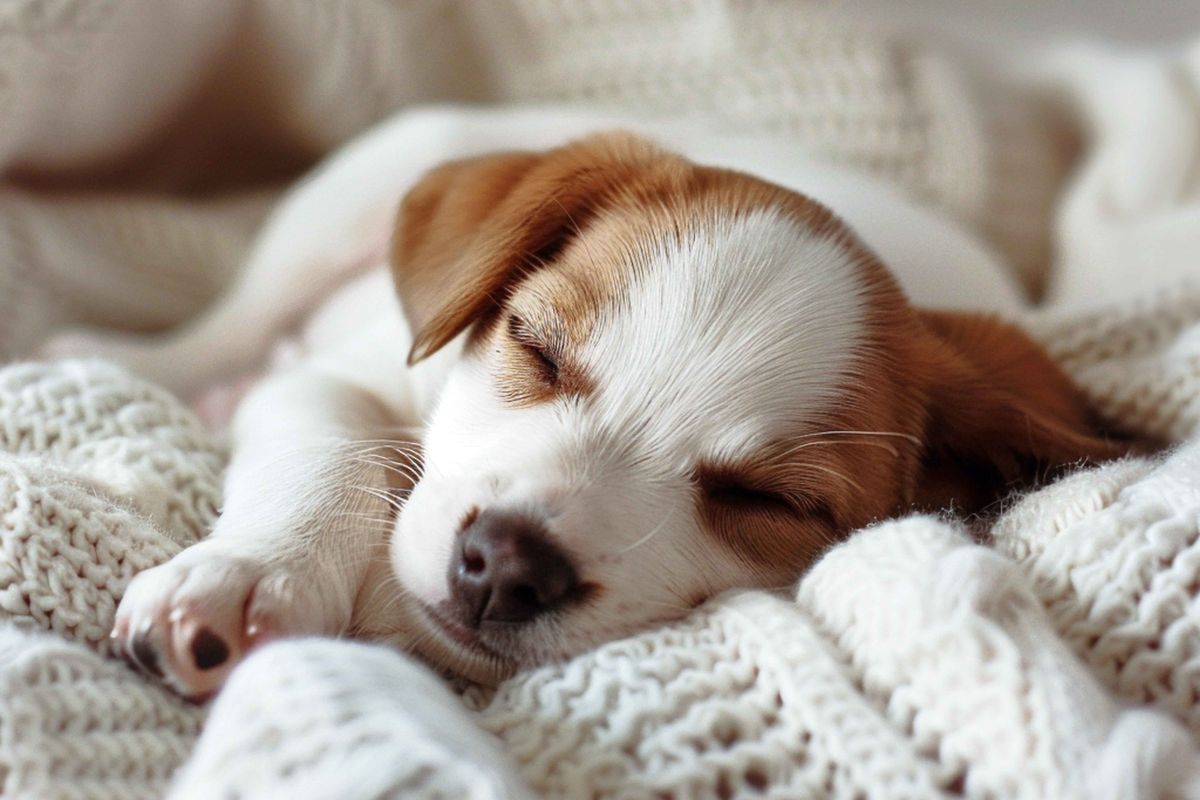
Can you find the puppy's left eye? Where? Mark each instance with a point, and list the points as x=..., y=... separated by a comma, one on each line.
x=535, y=347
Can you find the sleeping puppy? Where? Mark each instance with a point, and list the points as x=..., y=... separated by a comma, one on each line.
x=620, y=377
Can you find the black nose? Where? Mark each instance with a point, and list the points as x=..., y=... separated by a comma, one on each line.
x=506, y=570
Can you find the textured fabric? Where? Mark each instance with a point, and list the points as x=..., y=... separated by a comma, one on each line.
x=912, y=662
x=74, y=725
x=1134, y=205
x=397, y=732
x=100, y=477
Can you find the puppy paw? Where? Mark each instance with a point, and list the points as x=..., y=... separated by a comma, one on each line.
x=190, y=621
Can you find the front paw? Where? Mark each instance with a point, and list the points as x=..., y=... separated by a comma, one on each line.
x=190, y=621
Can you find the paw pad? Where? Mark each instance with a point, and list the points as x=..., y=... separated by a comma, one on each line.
x=209, y=651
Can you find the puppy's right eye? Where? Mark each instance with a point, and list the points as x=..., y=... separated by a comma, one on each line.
x=737, y=497
x=535, y=348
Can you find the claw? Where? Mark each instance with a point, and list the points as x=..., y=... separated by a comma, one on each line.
x=145, y=655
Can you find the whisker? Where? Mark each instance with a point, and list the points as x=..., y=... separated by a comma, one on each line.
x=650, y=535
x=406, y=472
x=381, y=494
x=821, y=443
x=896, y=434
x=839, y=475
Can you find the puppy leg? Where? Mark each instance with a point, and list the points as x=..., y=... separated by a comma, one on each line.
x=302, y=256
x=335, y=223
x=306, y=509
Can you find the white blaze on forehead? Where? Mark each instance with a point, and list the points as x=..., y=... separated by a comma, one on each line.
x=747, y=325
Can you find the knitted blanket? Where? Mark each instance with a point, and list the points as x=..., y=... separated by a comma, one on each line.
x=1059, y=656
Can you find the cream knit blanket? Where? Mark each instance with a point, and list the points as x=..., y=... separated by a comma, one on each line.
x=1060, y=658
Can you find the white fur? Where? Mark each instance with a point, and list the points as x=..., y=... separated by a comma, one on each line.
x=673, y=361
x=717, y=325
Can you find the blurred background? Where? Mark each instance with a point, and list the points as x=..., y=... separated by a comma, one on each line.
x=997, y=27
x=144, y=141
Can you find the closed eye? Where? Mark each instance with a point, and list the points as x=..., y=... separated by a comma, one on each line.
x=738, y=497
x=535, y=347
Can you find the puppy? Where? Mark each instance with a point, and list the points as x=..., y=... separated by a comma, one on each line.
x=600, y=380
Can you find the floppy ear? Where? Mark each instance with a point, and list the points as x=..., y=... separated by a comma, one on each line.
x=1001, y=411
x=469, y=229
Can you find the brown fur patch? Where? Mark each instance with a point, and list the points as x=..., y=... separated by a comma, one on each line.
x=1000, y=414
x=945, y=411
x=860, y=463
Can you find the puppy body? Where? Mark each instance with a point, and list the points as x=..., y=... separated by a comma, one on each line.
x=641, y=380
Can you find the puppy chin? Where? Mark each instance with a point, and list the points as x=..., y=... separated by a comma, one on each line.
x=437, y=643
x=413, y=623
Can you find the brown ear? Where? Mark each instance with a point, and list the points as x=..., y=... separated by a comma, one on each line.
x=469, y=229
x=1001, y=412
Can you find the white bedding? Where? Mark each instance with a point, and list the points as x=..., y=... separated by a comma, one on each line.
x=1059, y=658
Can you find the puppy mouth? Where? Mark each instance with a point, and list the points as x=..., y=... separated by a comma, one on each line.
x=449, y=643
x=457, y=631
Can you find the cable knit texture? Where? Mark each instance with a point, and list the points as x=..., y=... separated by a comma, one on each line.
x=1058, y=657
x=912, y=661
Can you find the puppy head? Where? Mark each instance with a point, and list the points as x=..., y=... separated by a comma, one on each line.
x=675, y=380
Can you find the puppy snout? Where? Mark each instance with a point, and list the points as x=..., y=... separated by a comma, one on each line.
x=506, y=569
